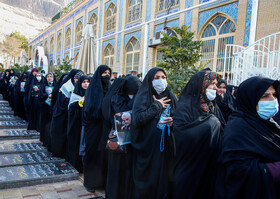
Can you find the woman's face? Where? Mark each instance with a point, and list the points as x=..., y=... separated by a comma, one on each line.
x=34, y=72
x=107, y=72
x=49, y=78
x=213, y=85
x=159, y=75
x=269, y=95
x=222, y=89
x=38, y=75
x=85, y=84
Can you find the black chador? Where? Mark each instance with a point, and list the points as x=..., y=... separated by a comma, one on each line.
x=75, y=124
x=60, y=115
x=19, y=95
x=45, y=101
x=197, y=132
x=5, y=83
x=250, y=145
x=94, y=160
x=32, y=101
x=11, y=90
x=151, y=168
x=26, y=98
x=119, y=98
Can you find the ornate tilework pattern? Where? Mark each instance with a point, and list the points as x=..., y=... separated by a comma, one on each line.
x=101, y=18
x=148, y=10
x=119, y=48
x=79, y=20
x=248, y=23
x=121, y=15
x=188, y=14
x=230, y=9
x=109, y=3
x=173, y=10
x=111, y=41
x=168, y=24
x=137, y=35
x=212, y=4
x=95, y=11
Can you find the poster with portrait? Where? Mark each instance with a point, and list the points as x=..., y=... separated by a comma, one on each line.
x=123, y=127
x=49, y=89
x=22, y=84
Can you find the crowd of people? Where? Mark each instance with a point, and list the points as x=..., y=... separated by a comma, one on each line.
x=136, y=140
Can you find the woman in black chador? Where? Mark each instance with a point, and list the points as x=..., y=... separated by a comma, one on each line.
x=5, y=83
x=45, y=101
x=11, y=89
x=250, y=159
x=153, y=147
x=33, y=101
x=19, y=95
x=26, y=98
x=94, y=157
x=75, y=122
x=119, y=98
x=60, y=114
x=197, y=132
x=225, y=100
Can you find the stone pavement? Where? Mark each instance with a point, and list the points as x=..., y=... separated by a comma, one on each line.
x=27, y=169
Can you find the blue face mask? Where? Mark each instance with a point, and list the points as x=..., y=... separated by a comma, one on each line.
x=267, y=109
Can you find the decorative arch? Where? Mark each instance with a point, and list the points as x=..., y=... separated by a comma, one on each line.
x=218, y=31
x=110, y=18
x=108, y=58
x=93, y=20
x=59, y=42
x=52, y=45
x=58, y=62
x=46, y=48
x=132, y=54
x=67, y=58
x=134, y=10
x=78, y=32
x=67, y=38
x=76, y=59
x=50, y=69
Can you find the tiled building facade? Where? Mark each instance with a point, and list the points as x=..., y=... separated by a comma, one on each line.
x=223, y=22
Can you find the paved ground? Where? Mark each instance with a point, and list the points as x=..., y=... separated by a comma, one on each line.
x=62, y=190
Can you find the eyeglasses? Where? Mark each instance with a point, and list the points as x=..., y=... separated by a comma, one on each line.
x=160, y=77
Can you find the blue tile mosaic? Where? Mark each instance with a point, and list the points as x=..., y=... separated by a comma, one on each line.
x=168, y=24
x=111, y=41
x=188, y=14
x=119, y=47
x=212, y=4
x=95, y=11
x=109, y=3
x=230, y=9
x=248, y=23
x=127, y=37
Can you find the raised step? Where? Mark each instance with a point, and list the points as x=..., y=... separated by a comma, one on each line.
x=18, y=134
x=7, y=160
x=6, y=112
x=9, y=118
x=18, y=176
x=22, y=148
x=12, y=125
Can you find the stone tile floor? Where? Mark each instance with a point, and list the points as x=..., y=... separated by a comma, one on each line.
x=60, y=190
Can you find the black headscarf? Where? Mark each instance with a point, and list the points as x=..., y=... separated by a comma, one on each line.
x=250, y=142
x=71, y=76
x=94, y=95
x=78, y=87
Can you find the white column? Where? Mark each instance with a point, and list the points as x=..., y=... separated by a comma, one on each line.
x=254, y=18
x=144, y=61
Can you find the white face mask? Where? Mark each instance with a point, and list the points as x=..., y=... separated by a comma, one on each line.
x=39, y=78
x=210, y=94
x=159, y=85
x=130, y=96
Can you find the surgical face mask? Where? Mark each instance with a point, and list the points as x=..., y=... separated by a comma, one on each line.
x=105, y=79
x=159, y=85
x=210, y=94
x=39, y=78
x=130, y=96
x=267, y=109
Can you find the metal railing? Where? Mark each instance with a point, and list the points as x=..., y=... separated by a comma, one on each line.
x=261, y=58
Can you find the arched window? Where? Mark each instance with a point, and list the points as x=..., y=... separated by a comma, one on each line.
x=76, y=59
x=67, y=58
x=52, y=46
x=166, y=4
x=68, y=38
x=59, y=43
x=110, y=18
x=46, y=47
x=216, y=34
x=134, y=10
x=109, y=56
x=58, y=62
x=50, y=68
x=93, y=21
x=78, y=33
x=132, y=55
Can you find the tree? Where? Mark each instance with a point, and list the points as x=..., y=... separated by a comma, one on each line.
x=11, y=46
x=20, y=69
x=180, y=54
x=64, y=67
x=22, y=40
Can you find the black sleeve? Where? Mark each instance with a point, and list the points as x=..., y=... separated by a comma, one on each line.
x=149, y=114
